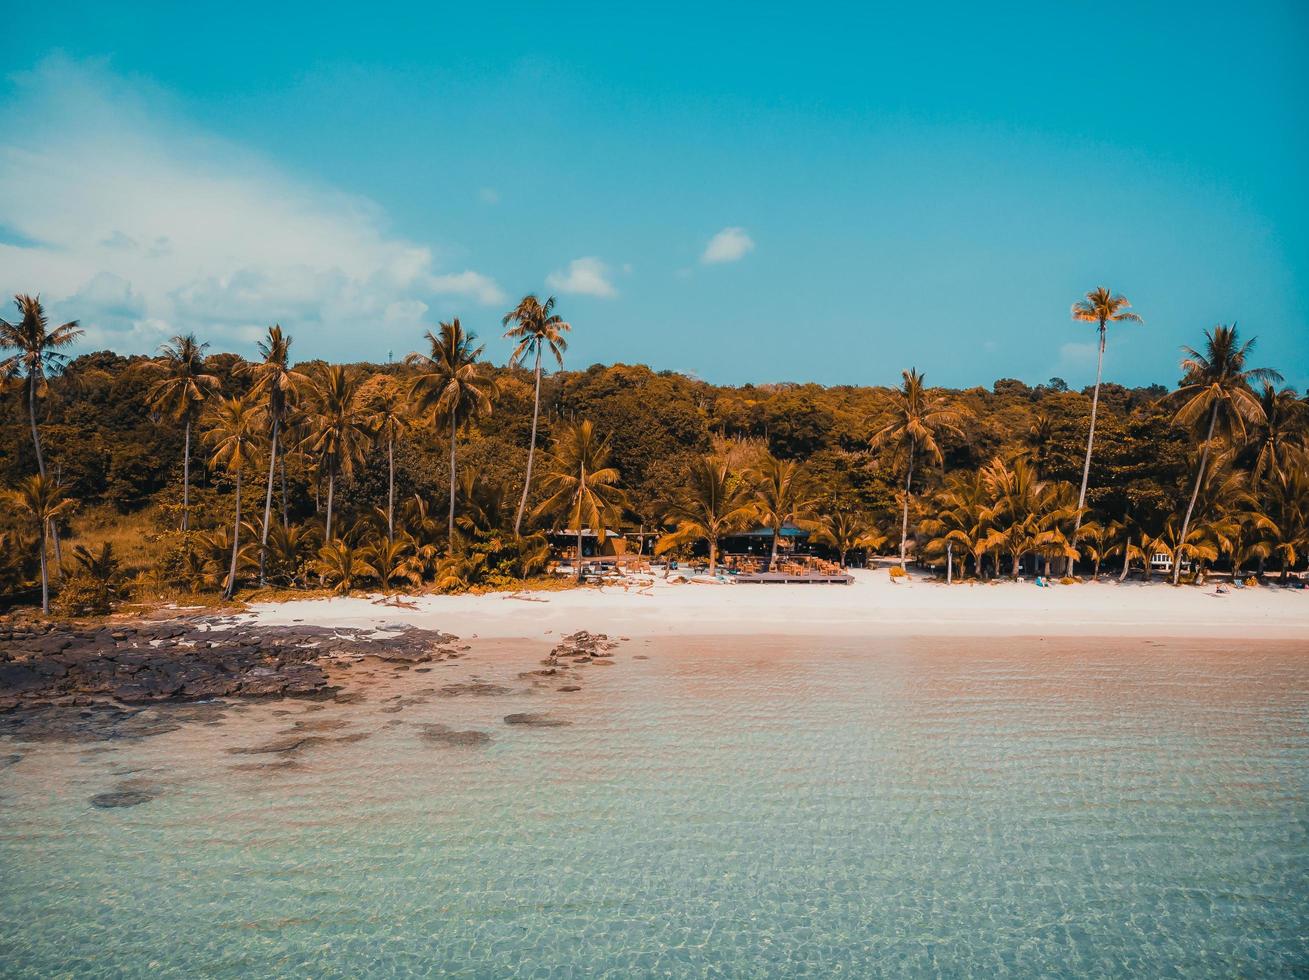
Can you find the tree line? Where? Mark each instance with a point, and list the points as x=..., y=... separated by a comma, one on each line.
x=317, y=474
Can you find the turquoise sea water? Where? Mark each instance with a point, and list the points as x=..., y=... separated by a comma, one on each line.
x=723, y=808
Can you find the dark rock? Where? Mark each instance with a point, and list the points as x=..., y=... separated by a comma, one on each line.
x=118, y=798
x=444, y=735
x=535, y=720
x=475, y=688
x=569, y=688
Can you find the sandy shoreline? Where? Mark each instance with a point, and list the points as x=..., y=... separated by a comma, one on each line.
x=872, y=606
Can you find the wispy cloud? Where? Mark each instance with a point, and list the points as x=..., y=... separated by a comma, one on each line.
x=488, y=195
x=729, y=245
x=587, y=276
x=139, y=224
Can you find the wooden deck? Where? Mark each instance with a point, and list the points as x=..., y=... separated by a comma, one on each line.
x=785, y=578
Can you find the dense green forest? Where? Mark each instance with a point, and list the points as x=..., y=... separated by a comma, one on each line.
x=198, y=471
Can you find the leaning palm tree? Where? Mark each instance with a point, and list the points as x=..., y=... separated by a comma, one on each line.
x=181, y=394
x=538, y=327
x=38, y=349
x=388, y=419
x=713, y=501
x=912, y=421
x=582, y=486
x=39, y=497
x=1217, y=385
x=276, y=383
x=1102, y=308
x=452, y=387
x=338, y=431
x=843, y=529
x=233, y=435
x=781, y=496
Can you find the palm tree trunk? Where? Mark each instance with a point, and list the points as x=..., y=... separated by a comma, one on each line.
x=949, y=563
x=1018, y=556
x=904, y=522
x=713, y=554
x=1090, y=436
x=31, y=414
x=454, y=427
x=1127, y=567
x=268, y=502
x=531, y=447
x=281, y=465
x=236, y=537
x=772, y=560
x=331, y=492
x=1095, y=575
x=186, y=478
x=1195, y=492
x=390, y=488
x=45, y=577
x=579, y=544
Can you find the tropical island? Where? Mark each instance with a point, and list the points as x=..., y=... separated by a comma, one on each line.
x=197, y=477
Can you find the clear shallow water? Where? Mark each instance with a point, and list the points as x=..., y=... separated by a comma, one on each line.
x=729, y=808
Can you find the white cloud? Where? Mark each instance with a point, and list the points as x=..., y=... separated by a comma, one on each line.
x=729, y=245
x=488, y=195
x=140, y=225
x=587, y=276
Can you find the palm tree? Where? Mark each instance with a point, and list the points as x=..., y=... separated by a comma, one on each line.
x=1100, y=540
x=1217, y=385
x=339, y=565
x=276, y=383
x=1102, y=308
x=337, y=429
x=38, y=348
x=233, y=435
x=452, y=386
x=40, y=497
x=388, y=418
x=1282, y=432
x=961, y=518
x=538, y=327
x=581, y=484
x=913, y=420
x=1288, y=508
x=713, y=501
x=844, y=529
x=181, y=393
x=780, y=497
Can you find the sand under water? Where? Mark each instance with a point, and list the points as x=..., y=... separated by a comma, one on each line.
x=743, y=806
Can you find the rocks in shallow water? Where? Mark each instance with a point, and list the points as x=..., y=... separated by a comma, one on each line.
x=294, y=743
x=534, y=720
x=189, y=660
x=122, y=797
x=569, y=688
x=283, y=765
x=445, y=735
x=475, y=688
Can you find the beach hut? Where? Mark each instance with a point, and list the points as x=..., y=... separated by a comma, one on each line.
x=759, y=542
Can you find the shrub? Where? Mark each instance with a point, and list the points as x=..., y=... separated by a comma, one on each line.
x=898, y=572
x=84, y=595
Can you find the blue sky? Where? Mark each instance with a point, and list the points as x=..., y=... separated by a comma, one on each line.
x=748, y=193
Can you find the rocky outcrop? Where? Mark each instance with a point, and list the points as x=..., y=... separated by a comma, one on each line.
x=190, y=660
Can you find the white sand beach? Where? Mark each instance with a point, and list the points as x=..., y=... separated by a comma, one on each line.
x=872, y=606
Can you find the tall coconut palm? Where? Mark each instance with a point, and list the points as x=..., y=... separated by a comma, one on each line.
x=582, y=486
x=781, y=497
x=38, y=349
x=537, y=327
x=1101, y=307
x=276, y=383
x=181, y=393
x=388, y=419
x=913, y=420
x=39, y=497
x=714, y=501
x=452, y=387
x=961, y=519
x=233, y=436
x=1217, y=386
x=338, y=430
